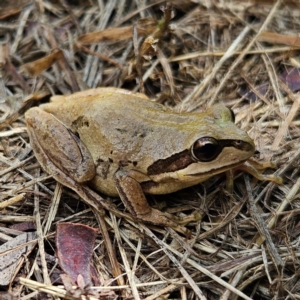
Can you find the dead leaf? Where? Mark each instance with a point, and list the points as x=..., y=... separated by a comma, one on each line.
x=291, y=77
x=7, y=296
x=145, y=27
x=23, y=226
x=275, y=38
x=75, y=243
x=36, y=67
x=9, y=8
x=253, y=95
x=11, y=253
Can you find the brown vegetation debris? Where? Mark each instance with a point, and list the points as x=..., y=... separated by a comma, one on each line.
x=188, y=55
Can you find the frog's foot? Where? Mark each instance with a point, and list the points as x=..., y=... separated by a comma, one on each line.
x=157, y=217
x=135, y=201
x=254, y=168
x=194, y=217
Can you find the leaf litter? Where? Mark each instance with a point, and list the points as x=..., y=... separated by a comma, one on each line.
x=187, y=55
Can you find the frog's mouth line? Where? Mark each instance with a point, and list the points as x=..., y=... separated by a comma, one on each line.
x=213, y=172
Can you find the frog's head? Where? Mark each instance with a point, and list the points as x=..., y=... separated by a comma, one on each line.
x=216, y=146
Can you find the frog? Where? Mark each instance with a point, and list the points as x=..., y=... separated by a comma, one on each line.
x=122, y=144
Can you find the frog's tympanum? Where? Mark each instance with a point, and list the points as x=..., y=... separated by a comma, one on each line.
x=123, y=144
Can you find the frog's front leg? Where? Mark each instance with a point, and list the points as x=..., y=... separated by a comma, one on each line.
x=133, y=197
x=62, y=154
x=55, y=146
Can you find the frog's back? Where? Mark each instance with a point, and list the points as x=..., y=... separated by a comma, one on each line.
x=127, y=128
x=117, y=127
x=129, y=131
x=100, y=103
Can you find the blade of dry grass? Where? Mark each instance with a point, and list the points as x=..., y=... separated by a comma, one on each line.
x=222, y=53
x=187, y=103
x=40, y=235
x=53, y=208
x=247, y=48
x=283, y=129
x=12, y=200
x=260, y=85
x=262, y=228
x=128, y=270
x=166, y=247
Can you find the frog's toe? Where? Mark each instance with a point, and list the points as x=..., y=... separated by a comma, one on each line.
x=156, y=217
x=194, y=217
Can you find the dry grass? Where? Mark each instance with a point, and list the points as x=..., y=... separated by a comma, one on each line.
x=247, y=242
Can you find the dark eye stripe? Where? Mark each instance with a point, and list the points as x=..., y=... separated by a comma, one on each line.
x=173, y=163
x=183, y=159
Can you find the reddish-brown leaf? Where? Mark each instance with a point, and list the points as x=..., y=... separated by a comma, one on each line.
x=291, y=78
x=74, y=243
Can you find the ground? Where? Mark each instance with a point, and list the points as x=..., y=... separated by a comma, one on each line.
x=188, y=55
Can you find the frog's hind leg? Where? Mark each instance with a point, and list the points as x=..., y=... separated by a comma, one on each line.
x=54, y=144
x=134, y=199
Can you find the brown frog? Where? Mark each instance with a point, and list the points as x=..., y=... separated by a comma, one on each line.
x=124, y=144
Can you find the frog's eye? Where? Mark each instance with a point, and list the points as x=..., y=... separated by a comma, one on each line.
x=206, y=149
